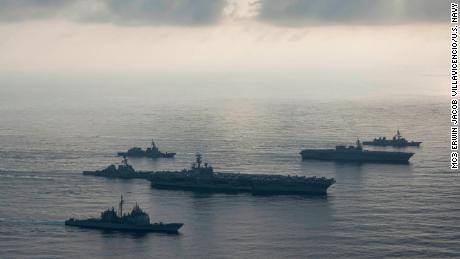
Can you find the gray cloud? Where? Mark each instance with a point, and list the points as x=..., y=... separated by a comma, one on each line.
x=187, y=12
x=121, y=12
x=207, y=12
x=18, y=10
x=352, y=12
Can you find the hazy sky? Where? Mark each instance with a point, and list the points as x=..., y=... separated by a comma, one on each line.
x=244, y=48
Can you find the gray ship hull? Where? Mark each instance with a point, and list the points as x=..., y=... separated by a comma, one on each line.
x=256, y=189
x=198, y=187
x=357, y=156
x=271, y=189
x=156, y=227
x=127, y=175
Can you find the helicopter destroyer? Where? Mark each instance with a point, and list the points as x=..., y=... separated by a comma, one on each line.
x=202, y=178
x=151, y=152
x=135, y=221
x=397, y=141
x=356, y=154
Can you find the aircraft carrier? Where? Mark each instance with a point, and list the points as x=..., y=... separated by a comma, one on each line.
x=202, y=178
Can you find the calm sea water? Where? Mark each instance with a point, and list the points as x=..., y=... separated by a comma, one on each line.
x=374, y=210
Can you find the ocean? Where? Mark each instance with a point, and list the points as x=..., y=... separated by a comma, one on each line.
x=373, y=210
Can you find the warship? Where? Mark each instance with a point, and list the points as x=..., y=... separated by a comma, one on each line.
x=356, y=154
x=124, y=171
x=151, y=152
x=135, y=221
x=202, y=178
x=396, y=141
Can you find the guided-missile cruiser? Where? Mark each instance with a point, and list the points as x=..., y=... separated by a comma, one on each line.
x=135, y=221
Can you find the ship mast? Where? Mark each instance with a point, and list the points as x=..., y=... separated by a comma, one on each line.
x=125, y=162
x=358, y=144
x=120, y=208
x=198, y=160
x=154, y=147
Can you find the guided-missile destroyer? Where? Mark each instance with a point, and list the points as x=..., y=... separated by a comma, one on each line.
x=151, y=152
x=123, y=170
x=396, y=141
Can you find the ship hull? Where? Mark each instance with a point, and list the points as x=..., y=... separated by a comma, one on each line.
x=198, y=188
x=359, y=157
x=319, y=190
x=131, y=175
x=172, y=228
x=256, y=189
